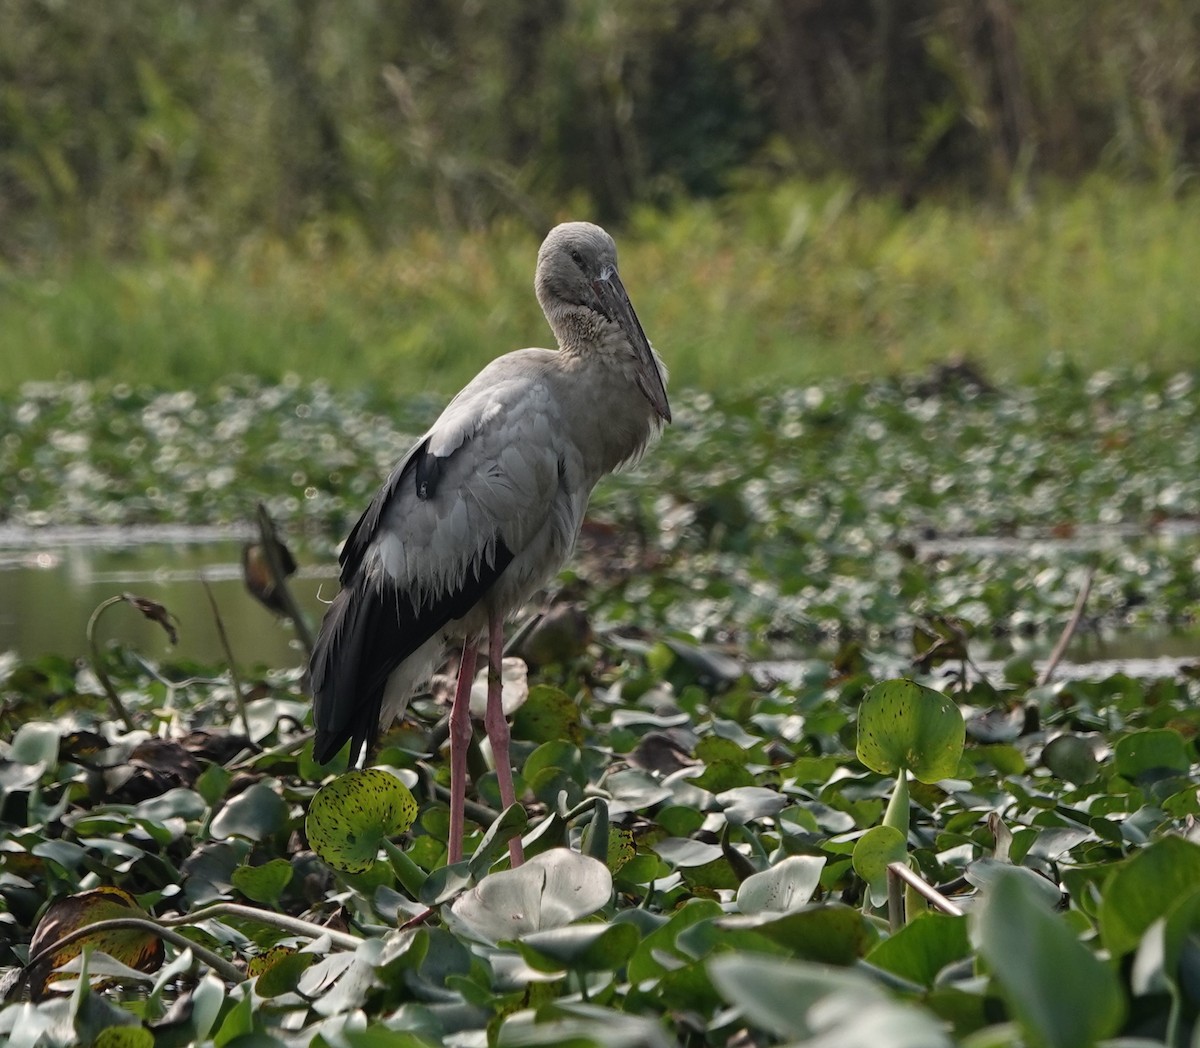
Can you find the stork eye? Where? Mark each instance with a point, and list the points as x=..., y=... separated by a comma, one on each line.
x=577, y=258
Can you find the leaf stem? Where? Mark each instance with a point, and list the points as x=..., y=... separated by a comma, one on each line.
x=98, y=663
x=282, y=921
x=234, y=679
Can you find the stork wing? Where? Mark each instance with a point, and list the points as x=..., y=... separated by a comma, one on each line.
x=469, y=497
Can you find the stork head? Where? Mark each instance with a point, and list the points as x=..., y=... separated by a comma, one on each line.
x=583, y=298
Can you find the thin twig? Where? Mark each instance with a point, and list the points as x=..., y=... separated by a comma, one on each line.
x=898, y=871
x=1060, y=649
x=238, y=694
x=266, y=528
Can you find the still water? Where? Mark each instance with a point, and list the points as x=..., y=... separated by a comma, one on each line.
x=52, y=579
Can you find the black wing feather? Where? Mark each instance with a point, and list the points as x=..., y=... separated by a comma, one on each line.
x=367, y=632
x=371, y=627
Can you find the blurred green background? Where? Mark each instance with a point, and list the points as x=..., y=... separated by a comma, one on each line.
x=354, y=190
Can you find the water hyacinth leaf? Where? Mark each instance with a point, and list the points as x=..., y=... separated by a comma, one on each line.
x=135, y=947
x=683, y=854
x=902, y=724
x=549, y=891
x=278, y=970
x=1071, y=759
x=1061, y=993
x=828, y=932
x=511, y=822
x=787, y=885
x=263, y=883
x=983, y=874
x=35, y=742
x=257, y=813
x=659, y=945
x=350, y=816
x=548, y=714
x=124, y=1037
x=1144, y=888
x=873, y=852
x=581, y=1025
x=747, y=803
x=776, y=995
x=1153, y=753
x=921, y=949
x=580, y=947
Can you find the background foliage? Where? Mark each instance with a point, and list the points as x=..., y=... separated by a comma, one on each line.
x=149, y=128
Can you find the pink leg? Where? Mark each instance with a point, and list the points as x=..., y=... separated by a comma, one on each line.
x=497, y=728
x=460, y=739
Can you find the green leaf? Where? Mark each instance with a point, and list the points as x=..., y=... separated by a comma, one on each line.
x=902, y=724
x=351, y=815
x=549, y=891
x=1154, y=753
x=1144, y=888
x=36, y=742
x=580, y=947
x=1071, y=758
x=257, y=813
x=787, y=885
x=263, y=883
x=873, y=852
x=827, y=931
x=549, y=714
x=1061, y=994
x=124, y=1037
x=659, y=945
x=921, y=949
x=821, y=1007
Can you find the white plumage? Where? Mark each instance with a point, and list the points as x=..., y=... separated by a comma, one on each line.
x=486, y=507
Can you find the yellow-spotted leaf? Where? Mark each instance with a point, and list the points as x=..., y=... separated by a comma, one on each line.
x=902, y=724
x=350, y=817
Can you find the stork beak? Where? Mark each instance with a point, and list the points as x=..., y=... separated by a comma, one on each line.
x=615, y=304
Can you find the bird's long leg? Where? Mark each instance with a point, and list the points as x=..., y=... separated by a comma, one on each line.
x=460, y=739
x=496, y=725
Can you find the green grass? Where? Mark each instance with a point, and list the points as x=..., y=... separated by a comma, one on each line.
x=784, y=285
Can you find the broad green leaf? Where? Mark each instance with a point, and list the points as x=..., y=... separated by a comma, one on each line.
x=580, y=947
x=827, y=931
x=776, y=995
x=658, y=945
x=921, y=949
x=351, y=815
x=1154, y=753
x=874, y=851
x=36, y=742
x=549, y=714
x=1060, y=992
x=787, y=885
x=549, y=891
x=278, y=970
x=263, y=883
x=746, y=803
x=1144, y=888
x=1071, y=758
x=124, y=1037
x=256, y=814
x=902, y=724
